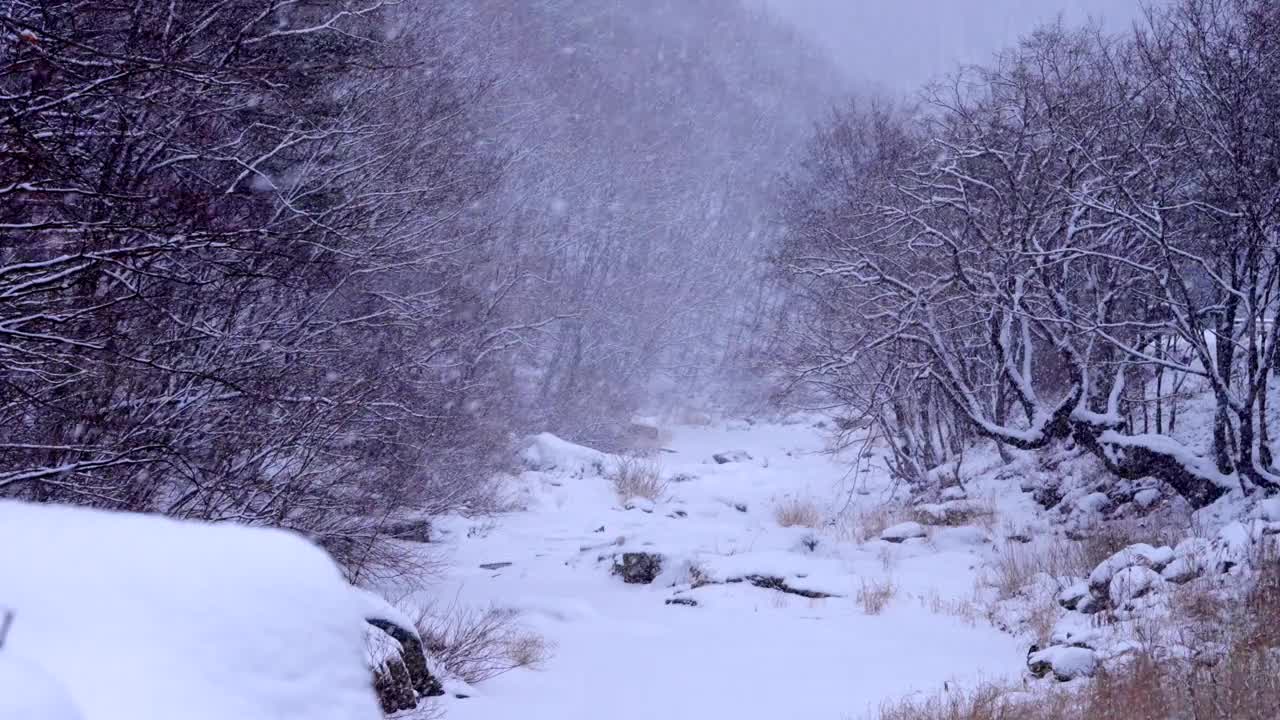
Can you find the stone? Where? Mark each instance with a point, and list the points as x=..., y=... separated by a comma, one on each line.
x=731, y=456
x=1070, y=596
x=1133, y=583
x=638, y=568
x=902, y=532
x=1066, y=663
x=1147, y=498
x=412, y=656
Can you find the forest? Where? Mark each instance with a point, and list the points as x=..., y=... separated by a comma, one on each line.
x=327, y=266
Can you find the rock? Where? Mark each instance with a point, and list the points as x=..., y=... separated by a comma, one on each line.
x=1146, y=499
x=1133, y=583
x=731, y=456
x=599, y=529
x=638, y=503
x=1089, y=605
x=494, y=565
x=686, y=601
x=1232, y=547
x=1094, y=503
x=1140, y=555
x=1182, y=570
x=1070, y=596
x=1066, y=663
x=678, y=514
x=740, y=507
x=411, y=530
x=414, y=661
x=1076, y=631
x=638, y=568
x=903, y=532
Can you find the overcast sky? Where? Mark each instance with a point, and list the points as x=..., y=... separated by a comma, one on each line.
x=900, y=44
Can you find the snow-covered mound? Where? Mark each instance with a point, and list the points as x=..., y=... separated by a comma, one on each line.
x=143, y=618
x=29, y=693
x=545, y=451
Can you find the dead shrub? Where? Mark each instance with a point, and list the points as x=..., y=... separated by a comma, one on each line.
x=875, y=595
x=634, y=477
x=796, y=512
x=1015, y=565
x=477, y=644
x=860, y=524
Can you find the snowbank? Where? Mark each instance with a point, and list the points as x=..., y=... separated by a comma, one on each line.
x=143, y=618
x=29, y=693
x=548, y=452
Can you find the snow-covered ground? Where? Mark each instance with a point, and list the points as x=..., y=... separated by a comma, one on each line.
x=116, y=616
x=622, y=652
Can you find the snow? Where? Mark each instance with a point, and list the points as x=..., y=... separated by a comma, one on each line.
x=142, y=618
x=548, y=452
x=903, y=531
x=621, y=650
x=29, y=693
x=1139, y=554
x=1068, y=663
x=1133, y=583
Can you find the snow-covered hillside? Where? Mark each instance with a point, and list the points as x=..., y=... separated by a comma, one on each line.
x=854, y=623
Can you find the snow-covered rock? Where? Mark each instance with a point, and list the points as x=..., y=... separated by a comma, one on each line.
x=1191, y=560
x=1269, y=509
x=903, y=532
x=1076, y=630
x=1065, y=662
x=639, y=503
x=546, y=452
x=638, y=568
x=1140, y=554
x=1094, y=503
x=29, y=693
x=145, y=618
x=1070, y=596
x=1146, y=498
x=731, y=456
x=1232, y=547
x=1132, y=583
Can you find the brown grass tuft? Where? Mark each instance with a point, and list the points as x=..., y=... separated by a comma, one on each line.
x=796, y=512
x=638, y=477
x=477, y=644
x=875, y=595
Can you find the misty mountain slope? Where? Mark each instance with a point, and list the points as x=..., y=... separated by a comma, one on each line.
x=897, y=617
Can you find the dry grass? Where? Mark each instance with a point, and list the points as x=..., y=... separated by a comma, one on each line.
x=1015, y=565
x=875, y=595
x=859, y=524
x=797, y=512
x=480, y=644
x=1241, y=684
x=634, y=477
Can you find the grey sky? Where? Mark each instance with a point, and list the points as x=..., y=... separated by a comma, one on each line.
x=898, y=45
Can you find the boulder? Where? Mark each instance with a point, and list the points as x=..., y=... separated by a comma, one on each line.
x=638, y=568
x=1133, y=583
x=731, y=456
x=1137, y=555
x=1147, y=498
x=1070, y=596
x=1066, y=663
x=902, y=532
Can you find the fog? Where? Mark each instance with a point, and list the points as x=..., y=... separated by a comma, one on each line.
x=898, y=45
